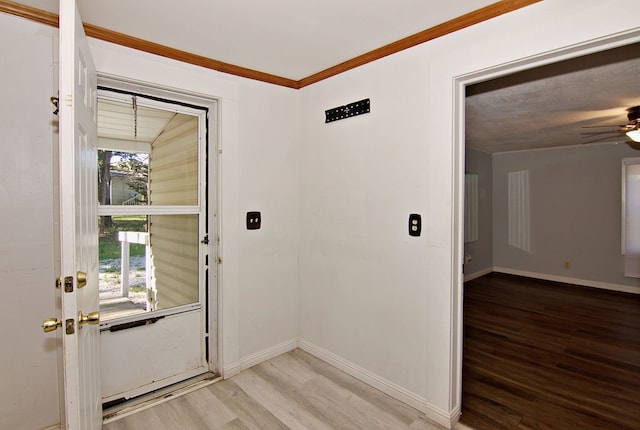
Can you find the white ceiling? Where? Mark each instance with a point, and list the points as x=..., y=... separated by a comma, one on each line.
x=121, y=121
x=545, y=107
x=288, y=38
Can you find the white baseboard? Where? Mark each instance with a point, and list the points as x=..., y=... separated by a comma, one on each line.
x=568, y=280
x=260, y=357
x=381, y=384
x=387, y=387
x=231, y=370
x=477, y=274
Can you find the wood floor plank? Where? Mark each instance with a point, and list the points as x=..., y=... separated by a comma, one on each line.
x=348, y=411
x=557, y=355
x=399, y=410
x=292, y=391
x=423, y=424
x=237, y=424
x=205, y=409
x=245, y=407
x=285, y=407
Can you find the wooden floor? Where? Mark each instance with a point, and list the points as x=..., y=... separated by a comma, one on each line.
x=292, y=391
x=544, y=355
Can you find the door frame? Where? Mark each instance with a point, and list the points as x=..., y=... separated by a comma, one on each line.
x=213, y=322
x=459, y=84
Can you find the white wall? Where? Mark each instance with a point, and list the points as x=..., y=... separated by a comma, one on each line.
x=259, y=132
x=575, y=213
x=369, y=293
x=268, y=179
x=481, y=250
x=28, y=357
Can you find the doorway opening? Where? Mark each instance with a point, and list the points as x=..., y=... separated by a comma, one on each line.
x=158, y=294
x=514, y=184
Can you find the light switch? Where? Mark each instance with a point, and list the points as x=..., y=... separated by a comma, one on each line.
x=415, y=224
x=254, y=219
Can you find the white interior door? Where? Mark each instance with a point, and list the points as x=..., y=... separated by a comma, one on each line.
x=78, y=218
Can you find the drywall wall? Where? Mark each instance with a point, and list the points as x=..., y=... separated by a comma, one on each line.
x=368, y=293
x=257, y=171
x=28, y=357
x=480, y=251
x=575, y=205
x=378, y=299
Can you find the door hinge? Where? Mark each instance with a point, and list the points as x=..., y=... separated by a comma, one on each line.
x=55, y=101
x=205, y=241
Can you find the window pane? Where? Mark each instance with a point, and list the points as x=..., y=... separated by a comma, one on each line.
x=123, y=256
x=123, y=178
x=148, y=156
x=173, y=165
x=147, y=263
x=174, y=257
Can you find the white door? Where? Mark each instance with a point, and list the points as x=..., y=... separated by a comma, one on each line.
x=78, y=219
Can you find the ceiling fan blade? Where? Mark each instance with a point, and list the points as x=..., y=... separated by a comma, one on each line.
x=602, y=139
x=597, y=133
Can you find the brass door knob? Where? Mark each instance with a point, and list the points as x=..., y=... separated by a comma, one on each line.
x=91, y=318
x=51, y=324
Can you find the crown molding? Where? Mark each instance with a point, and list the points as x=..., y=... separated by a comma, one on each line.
x=464, y=21
x=30, y=13
x=186, y=57
x=467, y=20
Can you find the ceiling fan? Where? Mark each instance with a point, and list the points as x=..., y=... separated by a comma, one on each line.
x=630, y=129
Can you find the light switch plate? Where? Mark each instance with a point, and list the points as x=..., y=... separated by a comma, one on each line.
x=254, y=220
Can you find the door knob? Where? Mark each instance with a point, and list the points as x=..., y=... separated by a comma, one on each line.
x=51, y=324
x=91, y=318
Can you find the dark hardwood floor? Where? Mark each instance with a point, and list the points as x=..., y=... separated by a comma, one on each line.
x=546, y=355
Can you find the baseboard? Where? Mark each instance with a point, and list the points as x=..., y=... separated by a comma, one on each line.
x=55, y=427
x=231, y=370
x=260, y=357
x=568, y=280
x=379, y=383
x=479, y=273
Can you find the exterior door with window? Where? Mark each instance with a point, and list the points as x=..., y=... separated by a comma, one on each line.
x=153, y=240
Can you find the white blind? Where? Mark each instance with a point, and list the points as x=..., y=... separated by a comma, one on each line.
x=631, y=217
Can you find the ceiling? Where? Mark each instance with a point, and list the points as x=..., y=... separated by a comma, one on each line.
x=539, y=108
x=549, y=106
x=127, y=121
x=289, y=38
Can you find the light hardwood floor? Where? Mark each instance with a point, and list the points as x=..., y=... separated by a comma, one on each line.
x=292, y=391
